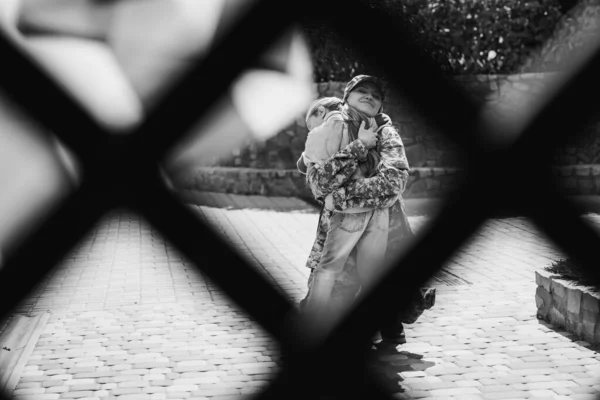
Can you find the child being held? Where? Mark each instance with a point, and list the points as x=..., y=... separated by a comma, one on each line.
x=363, y=228
x=328, y=133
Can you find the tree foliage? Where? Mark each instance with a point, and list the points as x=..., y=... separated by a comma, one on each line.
x=467, y=36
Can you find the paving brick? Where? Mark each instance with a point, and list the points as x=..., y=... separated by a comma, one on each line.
x=178, y=395
x=132, y=384
x=551, y=385
x=24, y=385
x=455, y=391
x=76, y=395
x=33, y=378
x=58, y=371
x=483, y=333
x=118, y=391
x=506, y=395
x=92, y=386
x=161, y=382
x=28, y=391
x=44, y=396
x=429, y=386
x=136, y=396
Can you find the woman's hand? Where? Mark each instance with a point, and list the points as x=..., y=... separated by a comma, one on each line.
x=329, y=206
x=367, y=136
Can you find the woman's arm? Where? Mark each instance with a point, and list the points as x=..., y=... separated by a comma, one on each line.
x=380, y=190
x=323, y=177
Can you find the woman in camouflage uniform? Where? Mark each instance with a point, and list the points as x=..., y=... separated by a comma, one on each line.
x=332, y=177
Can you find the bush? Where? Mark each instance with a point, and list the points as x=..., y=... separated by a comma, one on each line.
x=468, y=36
x=569, y=270
x=577, y=30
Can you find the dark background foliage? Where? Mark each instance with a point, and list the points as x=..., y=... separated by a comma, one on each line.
x=569, y=269
x=467, y=36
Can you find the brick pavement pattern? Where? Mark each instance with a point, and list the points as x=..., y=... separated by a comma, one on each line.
x=132, y=319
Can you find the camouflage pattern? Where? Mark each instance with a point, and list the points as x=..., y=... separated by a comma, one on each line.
x=381, y=191
x=325, y=176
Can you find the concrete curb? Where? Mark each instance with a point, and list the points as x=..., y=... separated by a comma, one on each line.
x=17, y=342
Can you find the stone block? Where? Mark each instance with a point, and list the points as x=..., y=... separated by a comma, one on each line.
x=416, y=155
x=417, y=189
x=255, y=186
x=539, y=303
x=570, y=160
x=425, y=172
x=543, y=302
x=589, y=316
x=438, y=171
x=582, y=170
x=586, y=185
x=411, y=130
x=452, y=158
x=569, y=184
x=409, y=142
x=453, y=171
x=578, y=330
x=434, y=154
x=242, y=187
x=557, y=288
x=542, y=279
x=571, y=324
x=597, y=184
x=597, y=334
x=585, y=159
x=590, y=302
x=587, y=331
x=573, y=299
x=560, y=303
x=556, y=318
x=432, y=184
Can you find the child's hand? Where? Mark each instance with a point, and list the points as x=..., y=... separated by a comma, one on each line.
x=367, y=136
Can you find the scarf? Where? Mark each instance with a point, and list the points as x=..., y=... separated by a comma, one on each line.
x=353, y=119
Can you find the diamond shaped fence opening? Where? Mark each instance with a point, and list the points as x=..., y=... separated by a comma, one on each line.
x=122, y=171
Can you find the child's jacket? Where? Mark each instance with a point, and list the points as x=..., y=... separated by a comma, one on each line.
x=326, y=139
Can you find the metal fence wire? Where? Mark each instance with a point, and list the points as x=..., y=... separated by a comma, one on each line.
x=122, y=171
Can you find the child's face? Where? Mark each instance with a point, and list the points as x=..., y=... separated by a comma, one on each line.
x=366, y=98
x=316, y=119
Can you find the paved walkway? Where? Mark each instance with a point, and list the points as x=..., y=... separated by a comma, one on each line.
x=130, y=318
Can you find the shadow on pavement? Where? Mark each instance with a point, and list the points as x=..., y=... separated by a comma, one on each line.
x=571, y=336
x=392, y=366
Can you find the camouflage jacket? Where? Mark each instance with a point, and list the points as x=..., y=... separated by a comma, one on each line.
x=380, y=191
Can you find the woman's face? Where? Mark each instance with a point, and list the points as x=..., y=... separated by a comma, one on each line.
x=366, y=98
